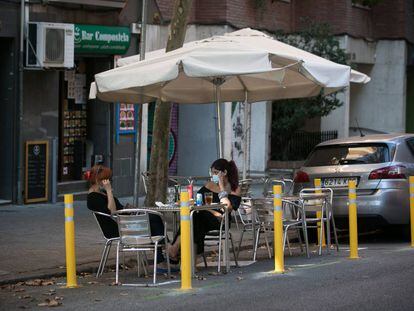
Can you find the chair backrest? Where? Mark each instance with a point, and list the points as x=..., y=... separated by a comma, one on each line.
x=264, y=210
x=245, y=212
x=313, y=198
x=133, y=225
x=287, y=186
x=244, y=185
x=107, y=224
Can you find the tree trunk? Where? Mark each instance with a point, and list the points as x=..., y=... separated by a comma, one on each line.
x=158, y=172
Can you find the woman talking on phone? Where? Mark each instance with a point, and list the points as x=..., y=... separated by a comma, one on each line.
x=101, y=199
x=224, y=188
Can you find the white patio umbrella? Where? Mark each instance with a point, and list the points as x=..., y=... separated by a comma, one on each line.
x=245, y=65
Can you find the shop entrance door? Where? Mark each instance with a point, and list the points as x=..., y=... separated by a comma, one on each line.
x=85, y=125
x=7, y=117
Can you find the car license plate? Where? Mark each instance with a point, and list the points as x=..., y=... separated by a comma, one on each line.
x=336, y=182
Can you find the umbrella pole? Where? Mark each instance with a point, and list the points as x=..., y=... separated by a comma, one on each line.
x=217, y=82
x=245, y=142
x=137, y=171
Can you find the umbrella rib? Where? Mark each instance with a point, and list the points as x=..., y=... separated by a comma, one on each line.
x=246, y=91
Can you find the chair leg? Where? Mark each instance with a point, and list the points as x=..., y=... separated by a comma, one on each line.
x=235, y=220
x=101, y=263
x=219, y=257
x=205, y=260
x=328, y=228
x=240, y=242
x=267, y=245
x=321, y=233
x=154, y=278
x=305, y=236
x=234, y=252
x=117, y=263
x=335, y=234
x=168, y=260
x=286, y=240
x=300, y=239
x=256, y=243
x=138, y=264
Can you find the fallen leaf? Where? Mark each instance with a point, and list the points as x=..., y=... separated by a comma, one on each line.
x=92, y=282
x=47, y=283
x=239, y=278
x=50, y=303
x=35, y=282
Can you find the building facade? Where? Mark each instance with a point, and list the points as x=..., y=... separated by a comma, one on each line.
x=378, y=41
x=42, y=106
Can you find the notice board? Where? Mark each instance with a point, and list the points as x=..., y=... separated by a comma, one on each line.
x=36, y=171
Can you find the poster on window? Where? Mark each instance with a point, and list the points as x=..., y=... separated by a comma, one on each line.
x=126, y=117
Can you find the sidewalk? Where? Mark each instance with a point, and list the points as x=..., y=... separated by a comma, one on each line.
x=33, y=240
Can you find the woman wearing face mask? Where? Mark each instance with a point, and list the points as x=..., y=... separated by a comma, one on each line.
x=224, y=186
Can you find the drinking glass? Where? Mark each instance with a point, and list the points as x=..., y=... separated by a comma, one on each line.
x=208, y=198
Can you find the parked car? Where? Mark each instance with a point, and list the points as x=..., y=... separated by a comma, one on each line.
x=380, y=165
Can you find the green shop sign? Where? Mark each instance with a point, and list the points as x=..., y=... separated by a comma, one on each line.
x=101, y=39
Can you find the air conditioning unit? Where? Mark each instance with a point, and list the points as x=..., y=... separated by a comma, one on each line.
x=50, y=45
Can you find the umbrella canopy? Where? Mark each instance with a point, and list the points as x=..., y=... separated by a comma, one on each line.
x=251, y=66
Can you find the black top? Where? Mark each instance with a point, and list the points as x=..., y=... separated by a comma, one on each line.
x=234, y=199
x=98, y=202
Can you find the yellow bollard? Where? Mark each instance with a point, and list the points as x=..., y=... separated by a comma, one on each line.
x=411, y=179
x=70, y=242
x=317, y=183
x=278, y=229
x=185, y=242
x=353, y=225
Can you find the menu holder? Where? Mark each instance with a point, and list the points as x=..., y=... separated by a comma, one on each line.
x=36, y=171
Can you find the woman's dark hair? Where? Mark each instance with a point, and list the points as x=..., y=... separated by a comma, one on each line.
x=232, y=171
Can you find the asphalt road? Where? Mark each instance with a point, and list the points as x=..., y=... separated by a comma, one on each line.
x=382, y=279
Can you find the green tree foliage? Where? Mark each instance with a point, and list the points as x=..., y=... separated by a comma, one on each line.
x=291, y=114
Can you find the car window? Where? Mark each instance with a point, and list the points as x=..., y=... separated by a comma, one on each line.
x=348, y=154
x=410, y=143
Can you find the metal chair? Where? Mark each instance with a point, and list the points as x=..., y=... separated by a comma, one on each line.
x=135, y=236
x=292, y=219
x=248, y=222
x=101, y=218
x=319, y=200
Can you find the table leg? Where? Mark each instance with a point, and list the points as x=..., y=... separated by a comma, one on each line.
x=192, y=245
x=226, y=228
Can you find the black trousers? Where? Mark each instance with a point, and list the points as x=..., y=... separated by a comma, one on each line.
x=203, y=222
x=157, y=228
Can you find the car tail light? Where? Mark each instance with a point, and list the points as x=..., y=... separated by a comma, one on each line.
x=389, y=172
x=301, y=176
